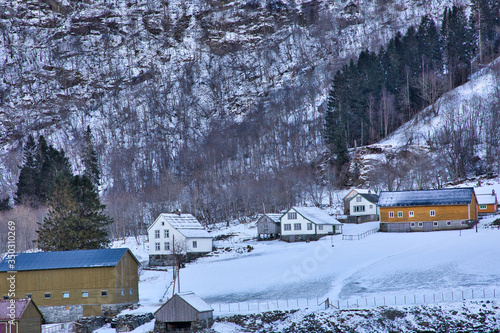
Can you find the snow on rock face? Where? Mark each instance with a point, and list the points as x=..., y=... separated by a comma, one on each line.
x=149, y=76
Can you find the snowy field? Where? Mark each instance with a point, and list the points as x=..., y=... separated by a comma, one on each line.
x=383, y=265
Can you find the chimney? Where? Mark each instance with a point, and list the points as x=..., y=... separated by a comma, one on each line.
x=493, y=192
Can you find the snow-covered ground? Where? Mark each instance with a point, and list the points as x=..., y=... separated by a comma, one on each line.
x=397, y=268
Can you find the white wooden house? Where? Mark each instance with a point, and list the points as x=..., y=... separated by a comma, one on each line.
x=361, y=206
x=307, y=223
x=180, y=232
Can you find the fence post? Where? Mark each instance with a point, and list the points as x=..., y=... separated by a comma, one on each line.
x=338, y=304
x=374, y=302
x=424, y=298
x=472, y=293
x=405, y=299
x=414, y=298
x=384, y=300
x=395, y=300
x=366, y=301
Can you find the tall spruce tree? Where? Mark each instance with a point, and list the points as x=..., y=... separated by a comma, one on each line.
x=90, y=160
x=28, y=186
x=335, y=132
x=76, y=218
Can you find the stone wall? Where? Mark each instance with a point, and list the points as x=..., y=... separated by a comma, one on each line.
x=61, y=314
x=166, y=259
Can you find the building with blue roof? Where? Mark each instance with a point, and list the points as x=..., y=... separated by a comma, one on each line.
x=428, y=210
x=69, y=285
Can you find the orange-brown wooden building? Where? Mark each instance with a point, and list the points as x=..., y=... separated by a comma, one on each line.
x=487, y=203
x=68, y=285
x=428, y=210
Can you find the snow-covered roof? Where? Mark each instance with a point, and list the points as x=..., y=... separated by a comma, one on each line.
x=179, y=221
x=194, y=233
x=370, y=197
x=486, y=199
x=448, y=196
x=195, y=301
x=274, y=217
x=316, y=215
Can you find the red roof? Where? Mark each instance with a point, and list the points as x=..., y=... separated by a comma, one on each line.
x=20, y=305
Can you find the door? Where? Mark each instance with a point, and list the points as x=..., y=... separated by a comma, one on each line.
x=427, y=226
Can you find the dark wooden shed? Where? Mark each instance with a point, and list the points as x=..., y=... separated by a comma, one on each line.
x=184, y=312
x=269, y=226
x=20, y=315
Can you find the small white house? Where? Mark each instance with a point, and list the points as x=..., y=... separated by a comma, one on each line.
x=307, y=223
x=180, y=232
x=361, y=206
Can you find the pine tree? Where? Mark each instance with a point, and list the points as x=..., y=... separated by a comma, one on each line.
x=28, y=186
x=76, y=218
x=335, y=132
x=90, y=160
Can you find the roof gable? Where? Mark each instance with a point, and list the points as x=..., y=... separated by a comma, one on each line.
x=486, y=199
x=449, y=196
x=368, y=196
x=315, y=215
x=276, y=218
x=178, y=221
x=190, y=298
x=67, y=259
x=21, y=304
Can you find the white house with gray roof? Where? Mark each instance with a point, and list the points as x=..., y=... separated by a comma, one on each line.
x=307, y=223
x=180, y=232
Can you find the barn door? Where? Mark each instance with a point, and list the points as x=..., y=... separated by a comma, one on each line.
x=427, y=226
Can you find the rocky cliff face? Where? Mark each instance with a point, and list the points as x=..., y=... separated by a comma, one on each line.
x=175, y=87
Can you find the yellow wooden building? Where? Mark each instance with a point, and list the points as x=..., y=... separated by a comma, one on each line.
x=68, y=285
x=428, y=210
x=487, y=203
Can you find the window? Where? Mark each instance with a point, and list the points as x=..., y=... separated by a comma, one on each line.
x=435, y=223
x=47, y=295
x=391, y=214
x=65, y=295
x=463, y=222
x=448, y=223
x=400, y=214
x=297, y=226
x=28, y=295
x=131, y=291
x=292, y=216
x=195, y=244
x=166, y=233
x=6, y=297
x=157, y=246
x=412, y=224
x=482, y=206
x=433, y=213
x=359, y=208
x=123, y=292
x=358, y=199
x=85, y=294
x=104, y=293
x=167, y=246
x=309, y=226
x=162, y=223
x=420, y=224
x=371, y=206
x=288, y=227
x=157, y=233
x=320, y=227
x=411, y=213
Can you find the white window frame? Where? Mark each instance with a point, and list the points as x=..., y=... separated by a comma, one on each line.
x=412, y=224
x=195, y=244
x=359, y=209
x=287, y=227
x=359, y=199
x=411, y=213
x=46, y=294
x=157, y=246
x=448, y=223
x=66, y=294
x=371, y=206
x=433, y=212
x=320, y=227
x=309, y=226
x=435, y=223
x=166, y=246
x=400, y=214
x=483, y=206
x=85, y=294
x=391, y=215
x=292, y=215
x=420, y=224
x=166, y=233
x=157, y=233
x=297, y=226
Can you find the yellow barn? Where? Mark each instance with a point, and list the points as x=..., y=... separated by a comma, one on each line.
x=428, y=210
x=69, y=285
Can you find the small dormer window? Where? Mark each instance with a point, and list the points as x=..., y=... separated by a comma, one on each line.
x=292, y=216
x=358, y=199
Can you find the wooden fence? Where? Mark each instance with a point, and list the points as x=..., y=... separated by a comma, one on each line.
x=361, y=302
x=360, y=236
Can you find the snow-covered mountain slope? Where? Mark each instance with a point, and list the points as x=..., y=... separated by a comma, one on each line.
x=153, y=79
